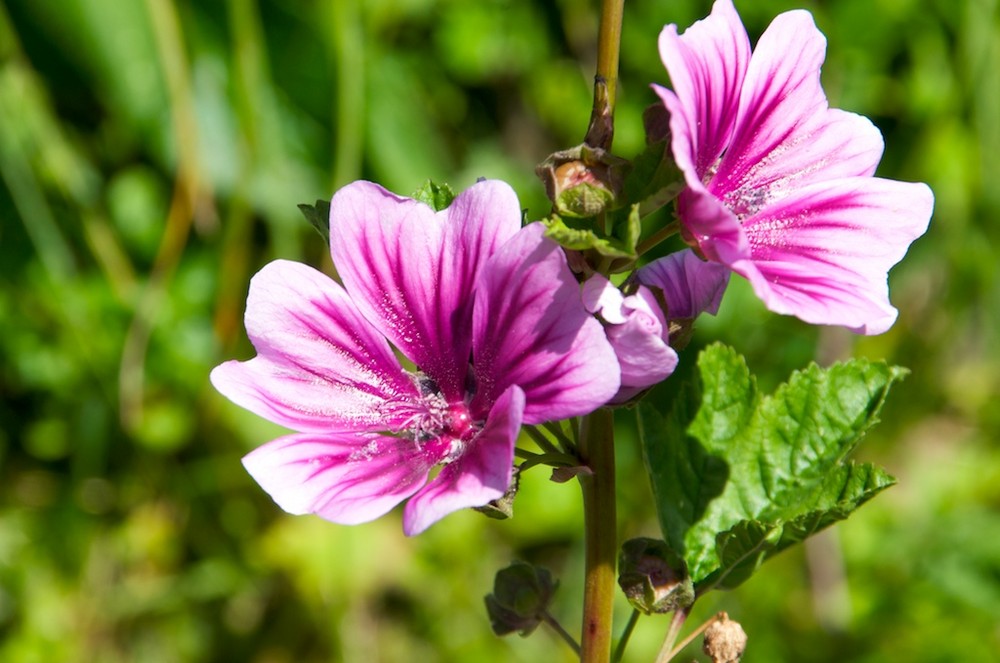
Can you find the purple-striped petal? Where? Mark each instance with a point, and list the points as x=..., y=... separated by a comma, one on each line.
x=344, y=478
x=823, y=253
x=481, y=474
x=785, y=135
x=690, y=285
x=320, y=366
x=707, y=65
x=530, y=328
x=412, y=272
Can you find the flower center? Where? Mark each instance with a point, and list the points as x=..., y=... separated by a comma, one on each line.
x=442, y=429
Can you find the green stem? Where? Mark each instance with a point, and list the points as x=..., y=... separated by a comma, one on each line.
x=600, y=535
x=564, y=441
x=663, y=233
x=558, y=628
x=601, y=130
x=626, y=634
x=666, y=656
x=667, y=650
x=541, y=440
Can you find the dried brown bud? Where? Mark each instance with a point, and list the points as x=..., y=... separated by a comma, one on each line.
x=725, y=640
x=653, y=577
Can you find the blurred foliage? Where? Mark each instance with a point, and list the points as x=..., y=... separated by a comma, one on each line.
x=152, y=154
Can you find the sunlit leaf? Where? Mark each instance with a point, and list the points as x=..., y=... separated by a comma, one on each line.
x=739, y=477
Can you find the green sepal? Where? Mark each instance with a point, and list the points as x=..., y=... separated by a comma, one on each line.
x=579, y=234
x=318, y=216
x=585, y=200
x=436, y=196
x=739, y=477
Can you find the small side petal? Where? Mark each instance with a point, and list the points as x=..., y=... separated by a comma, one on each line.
x=641, y=342
x=601, y=296
x=690, y=285
x=346, y=479
x=532, y=330
x=320, y=366
x=823, y=254
x=480, y=475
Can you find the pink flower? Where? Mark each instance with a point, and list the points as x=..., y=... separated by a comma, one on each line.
x=637, y=325
x=490, y=315
x=779, y=185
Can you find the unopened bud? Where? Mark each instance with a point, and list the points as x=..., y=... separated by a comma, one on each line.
x=521, y=595
x=653, y=577
x=582, y=181
x=725, y=640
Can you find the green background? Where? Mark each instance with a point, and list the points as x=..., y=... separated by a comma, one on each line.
x=152, y=154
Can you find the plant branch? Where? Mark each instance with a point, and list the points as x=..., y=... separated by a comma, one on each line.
x=600, y=534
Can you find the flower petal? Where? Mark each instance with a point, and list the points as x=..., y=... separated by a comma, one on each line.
x=641, y=342
x=412, y=272
x=344, y=478
x=320, y=366
x=708, y=224
x=706, y=66
x=823, y=254
x=690, y=285
x=603, y=297
x=785, y=135
x=531, y=329
x=481, y=474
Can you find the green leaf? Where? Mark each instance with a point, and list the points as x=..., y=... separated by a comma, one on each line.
x=580, y=234
x=739, y=477
x=436, y=196
x=318, y=216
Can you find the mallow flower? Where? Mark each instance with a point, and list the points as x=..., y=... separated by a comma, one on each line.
x=490, y=325
x=675, y=288
x=780, y=186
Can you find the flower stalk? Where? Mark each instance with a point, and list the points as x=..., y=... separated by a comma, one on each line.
x=602, y=130
x=600, y=535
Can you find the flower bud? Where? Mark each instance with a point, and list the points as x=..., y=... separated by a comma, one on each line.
x=582, y=181
x=521, y=595
x=725, y=640
x=653, y=577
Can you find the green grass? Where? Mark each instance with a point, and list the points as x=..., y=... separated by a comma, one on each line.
x=152, y=155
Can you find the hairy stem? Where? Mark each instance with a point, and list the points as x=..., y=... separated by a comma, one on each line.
x=600, y=535
x=601, y=130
